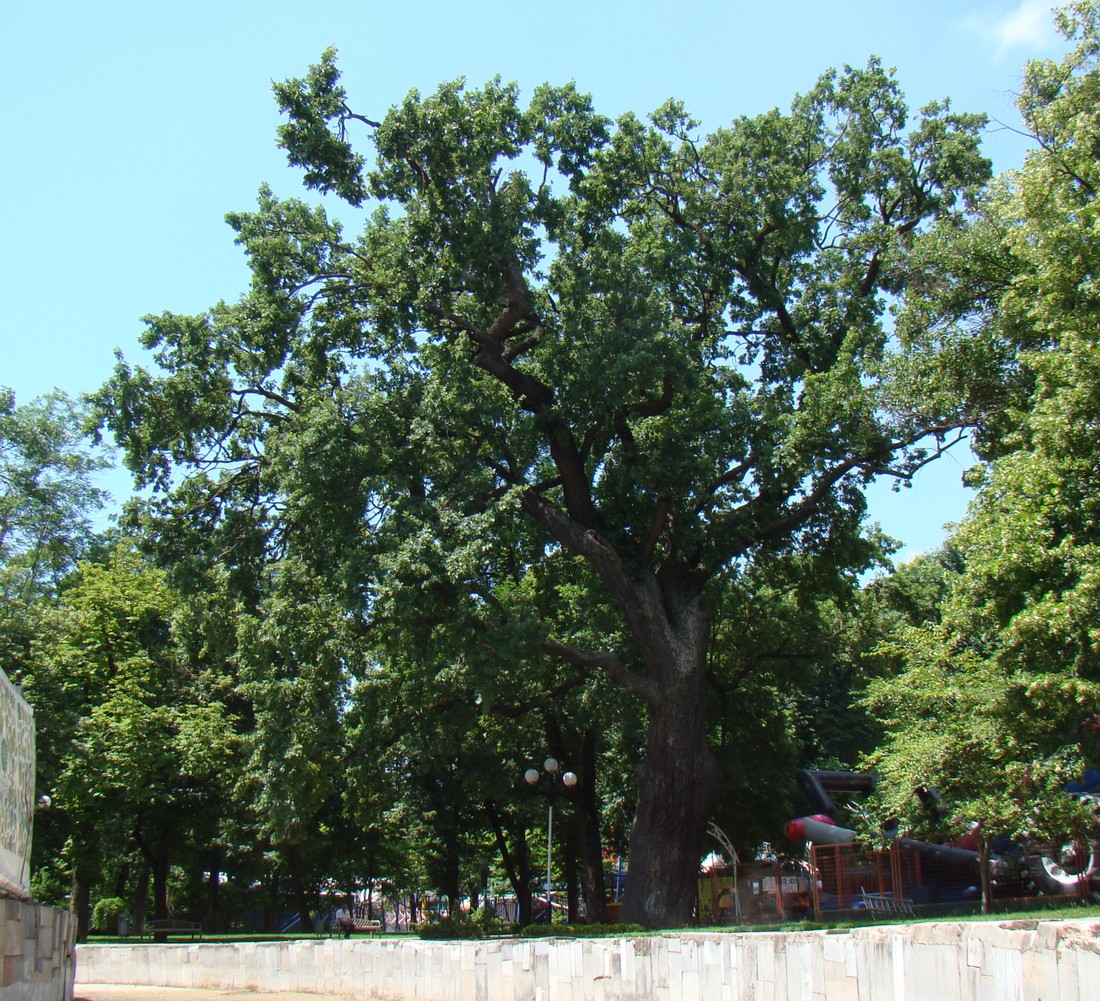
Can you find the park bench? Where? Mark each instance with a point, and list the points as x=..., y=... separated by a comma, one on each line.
x=878, y=903
x=372, y=926
x=171, y=926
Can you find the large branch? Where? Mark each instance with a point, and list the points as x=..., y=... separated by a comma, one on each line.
x=576, y=537
x=656, y=527
x=520, y=319
x=608, y=662
x=732, y=475
x=872, y=462
x=805, y=509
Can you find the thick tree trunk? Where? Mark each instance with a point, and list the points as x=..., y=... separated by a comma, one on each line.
x=675, y=785
x=676, y=780
x=669, y=622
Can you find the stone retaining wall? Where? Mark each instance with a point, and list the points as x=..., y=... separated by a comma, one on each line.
x=37, y=952
x=1055, y=961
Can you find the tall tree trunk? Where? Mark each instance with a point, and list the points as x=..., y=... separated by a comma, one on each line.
x=669, y=622
x=676, y=780
x=675, y=785
x=524, y=902
x=87, y=866
x=213, y=892
x=80, y=904
x=122, y=880
x=584, y=822
x=270, y=917
x=569, y=865
x=588, y=829
x=157, y=857
x=159, y=867
x=984, y=874
x=141, y=894
x=517, y=864
x=299, y=892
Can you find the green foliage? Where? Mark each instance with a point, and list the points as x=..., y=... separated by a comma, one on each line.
x=106, y=913
x=582, y=931
x=46, y=502
x=138, y=751
x=462, y=925
x=999, y=692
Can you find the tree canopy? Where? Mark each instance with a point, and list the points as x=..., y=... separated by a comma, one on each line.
x=573, y=384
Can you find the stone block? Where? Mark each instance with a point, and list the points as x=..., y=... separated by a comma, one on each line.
x=12, y=972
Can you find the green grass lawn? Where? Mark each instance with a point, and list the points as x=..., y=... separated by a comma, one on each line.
x=1042, y=910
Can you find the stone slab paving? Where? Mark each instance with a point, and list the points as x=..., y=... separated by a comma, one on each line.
x=118, y=992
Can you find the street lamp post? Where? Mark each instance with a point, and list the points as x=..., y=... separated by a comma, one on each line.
x=568, y=779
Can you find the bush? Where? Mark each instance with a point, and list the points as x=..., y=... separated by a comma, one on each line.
x=482, y=924
x=106, y=913
x=581, y=931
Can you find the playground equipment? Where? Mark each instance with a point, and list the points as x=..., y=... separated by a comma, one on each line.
x=945, y=872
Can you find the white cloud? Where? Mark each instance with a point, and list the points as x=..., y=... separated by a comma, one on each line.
x=1030, y=26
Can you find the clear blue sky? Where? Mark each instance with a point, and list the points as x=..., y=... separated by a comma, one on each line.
x=130, y=129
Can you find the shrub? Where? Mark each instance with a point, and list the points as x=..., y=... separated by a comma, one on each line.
x=581, y=931
x=483, y=924
x=106, y=913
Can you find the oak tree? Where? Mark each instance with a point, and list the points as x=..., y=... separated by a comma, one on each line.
x=662, y=354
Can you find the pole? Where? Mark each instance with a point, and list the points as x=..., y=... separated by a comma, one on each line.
x=569, y=780
x=549, y=849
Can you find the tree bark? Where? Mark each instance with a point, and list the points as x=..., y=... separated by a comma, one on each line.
x=676, y=780
x=983, y=864
x=157, y=858
x=591, y=845
x=572, y=886
x=517, y=864
x=141, y=894
x=80, y=905
x=675, y=786
x=213, y=892
x=159, y=867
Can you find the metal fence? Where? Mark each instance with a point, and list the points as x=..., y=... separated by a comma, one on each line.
x=16, y=789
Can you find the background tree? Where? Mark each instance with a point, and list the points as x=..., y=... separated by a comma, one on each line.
x=139, y=752
x=1000, y=695
x=47, y=499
